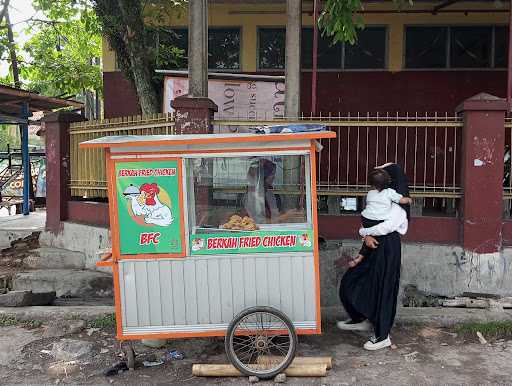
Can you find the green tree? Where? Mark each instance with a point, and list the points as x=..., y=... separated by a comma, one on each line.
x=129, y=26
x=65, y=56
x=62, y=55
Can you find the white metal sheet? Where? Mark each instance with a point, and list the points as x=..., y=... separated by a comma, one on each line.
x=178, y=291
x=211, y=290
x=166, y=297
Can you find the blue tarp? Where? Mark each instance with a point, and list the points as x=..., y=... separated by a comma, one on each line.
x=297, y=128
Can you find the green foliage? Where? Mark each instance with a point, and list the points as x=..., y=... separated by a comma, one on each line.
x=8, y=321
x=6, y=138
x=163, y=53
x=341, y=19
x=31, y=323
x=62, y=55
x=107, y=321
x=61, y=9
x=168, y=57
x=490, y=330
x=4, y=45
x=65, y=57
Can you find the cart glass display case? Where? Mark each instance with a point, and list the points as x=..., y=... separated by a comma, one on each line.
x=250, y=204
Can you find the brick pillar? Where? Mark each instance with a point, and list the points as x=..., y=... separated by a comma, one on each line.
x=57, y=166
x=483, y=145
x=194, y=115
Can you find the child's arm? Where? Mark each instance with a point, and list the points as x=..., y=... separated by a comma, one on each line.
x=396, y=197
x=397, y=222
x=406, y=200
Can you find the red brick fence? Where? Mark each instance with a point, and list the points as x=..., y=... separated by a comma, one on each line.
x=452, y=162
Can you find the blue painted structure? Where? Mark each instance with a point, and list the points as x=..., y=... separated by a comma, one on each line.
x=25, y=158
x=16, y=106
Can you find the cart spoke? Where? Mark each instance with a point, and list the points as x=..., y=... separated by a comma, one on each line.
x=278, y=347
x=242, y=346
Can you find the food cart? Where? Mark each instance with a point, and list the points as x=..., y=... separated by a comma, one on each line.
x=216, y=235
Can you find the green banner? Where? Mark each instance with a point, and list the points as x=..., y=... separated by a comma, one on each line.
x=251, y=242
x=148, y=205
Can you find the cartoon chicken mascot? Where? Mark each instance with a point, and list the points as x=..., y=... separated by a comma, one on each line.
x=146, y=204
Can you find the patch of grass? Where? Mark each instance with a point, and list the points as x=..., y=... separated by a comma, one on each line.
x=107, y=321
x=490, y=330
x=32, y=323
x=7, y=321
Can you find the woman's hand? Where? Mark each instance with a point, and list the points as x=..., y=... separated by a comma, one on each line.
x=371, y=242
x=295, y=215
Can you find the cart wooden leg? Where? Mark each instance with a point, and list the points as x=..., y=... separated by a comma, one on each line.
x=129, y=354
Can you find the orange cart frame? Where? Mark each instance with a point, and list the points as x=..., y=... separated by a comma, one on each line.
x=178, y=149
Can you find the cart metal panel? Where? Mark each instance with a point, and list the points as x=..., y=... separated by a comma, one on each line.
x=216, y=289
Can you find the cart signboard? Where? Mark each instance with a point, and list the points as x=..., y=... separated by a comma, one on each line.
x=252, y=242
x=149, y=207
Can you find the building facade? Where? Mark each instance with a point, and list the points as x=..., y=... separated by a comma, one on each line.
x=423, y=58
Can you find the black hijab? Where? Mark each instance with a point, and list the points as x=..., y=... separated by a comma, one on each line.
x=399, y=183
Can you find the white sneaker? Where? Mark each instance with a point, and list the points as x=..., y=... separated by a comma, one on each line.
x=372, y=345
x=348, y=325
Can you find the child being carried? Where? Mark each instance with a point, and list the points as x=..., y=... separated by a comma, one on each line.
x=378, y=206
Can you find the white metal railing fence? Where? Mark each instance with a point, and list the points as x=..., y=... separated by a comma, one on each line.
x=427, y=147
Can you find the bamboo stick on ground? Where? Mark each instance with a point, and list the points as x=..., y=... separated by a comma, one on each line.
x=298, y=361
x=208, y=370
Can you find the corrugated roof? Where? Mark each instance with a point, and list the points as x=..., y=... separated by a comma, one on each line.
x=11, y=100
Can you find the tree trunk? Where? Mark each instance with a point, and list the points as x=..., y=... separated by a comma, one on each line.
x=5, y=6
x=123, y=25
x=12, y=50
x=138, y=54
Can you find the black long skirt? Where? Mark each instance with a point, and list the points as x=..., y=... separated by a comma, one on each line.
x=370, y=289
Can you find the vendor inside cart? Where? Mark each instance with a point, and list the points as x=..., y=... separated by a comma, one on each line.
x=261, y=202
x=248, y=193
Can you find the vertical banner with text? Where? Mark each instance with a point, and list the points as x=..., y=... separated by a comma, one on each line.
x=148, y=207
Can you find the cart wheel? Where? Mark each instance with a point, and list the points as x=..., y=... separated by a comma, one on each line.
x=129, y=354
x=261, y=342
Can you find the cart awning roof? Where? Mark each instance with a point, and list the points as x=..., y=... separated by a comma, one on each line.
x=200, y=139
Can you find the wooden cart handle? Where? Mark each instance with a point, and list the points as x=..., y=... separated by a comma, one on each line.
x=105, y=260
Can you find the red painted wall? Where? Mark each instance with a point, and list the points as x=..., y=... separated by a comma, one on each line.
x=90, y=213
x=357, y=91
x=507, y=232
x=120, y=99
x=421, y=229
x=403, y=92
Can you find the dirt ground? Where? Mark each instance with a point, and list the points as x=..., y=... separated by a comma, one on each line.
x=11, y=259
x=423, y=356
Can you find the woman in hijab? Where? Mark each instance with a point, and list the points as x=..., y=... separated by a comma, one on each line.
x=261, y=203
x=369, y=290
